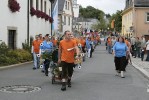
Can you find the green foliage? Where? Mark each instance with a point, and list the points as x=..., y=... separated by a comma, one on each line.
x=3, y=48
x=20, y=55
x=26, y=46
x=47, y=55
x=91, y=12
x=118, y=20
x=8, y=56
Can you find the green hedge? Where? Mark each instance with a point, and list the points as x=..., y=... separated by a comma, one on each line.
x=8, y=57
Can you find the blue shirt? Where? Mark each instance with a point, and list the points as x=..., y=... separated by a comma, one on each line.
x=46, y=46
x=120, y=49
x=88, y=44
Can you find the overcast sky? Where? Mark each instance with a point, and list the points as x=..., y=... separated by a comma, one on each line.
x=108, y=6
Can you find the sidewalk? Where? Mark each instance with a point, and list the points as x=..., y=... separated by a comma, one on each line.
x=14, y=65
x=142, y=66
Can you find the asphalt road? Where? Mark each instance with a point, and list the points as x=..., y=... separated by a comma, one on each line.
x=95, y=81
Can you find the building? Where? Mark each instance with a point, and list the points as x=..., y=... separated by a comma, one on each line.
x=17, y=27
x=65, y=15
x=135, y=18
x=82, y=24
x=74, y=2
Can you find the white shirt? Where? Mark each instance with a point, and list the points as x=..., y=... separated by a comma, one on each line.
x=147, y=45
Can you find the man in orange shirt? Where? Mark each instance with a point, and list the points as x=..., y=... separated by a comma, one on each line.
x=54, y=41
x=35, y=50
x=83, y=43
x=67, y=48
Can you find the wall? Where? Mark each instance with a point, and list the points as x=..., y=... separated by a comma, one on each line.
x=142, y=27
x=38, y=25
x=17, y=20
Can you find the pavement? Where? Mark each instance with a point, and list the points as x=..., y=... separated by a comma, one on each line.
x=142, y=66
x=95, y=81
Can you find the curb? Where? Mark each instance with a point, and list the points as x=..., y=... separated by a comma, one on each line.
x=15, y=65
x=143, y=72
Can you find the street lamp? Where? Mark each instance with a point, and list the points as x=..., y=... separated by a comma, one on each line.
x=52, y=1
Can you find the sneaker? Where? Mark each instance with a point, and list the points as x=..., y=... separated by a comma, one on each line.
x=34, y=68
x=122, y=74
x=63, y=88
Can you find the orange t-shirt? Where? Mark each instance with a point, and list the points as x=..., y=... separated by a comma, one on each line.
x=82, y=41
x=77, y=41
x=54, y=42
x=67, y=56
x=109, y=41
x=36, y=44
x=127, y=43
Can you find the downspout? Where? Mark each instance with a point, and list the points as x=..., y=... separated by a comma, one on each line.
x=51, y=17
x=28, y=22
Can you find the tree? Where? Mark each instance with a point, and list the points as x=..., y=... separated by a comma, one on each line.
x=91, y=12
x=118, y=20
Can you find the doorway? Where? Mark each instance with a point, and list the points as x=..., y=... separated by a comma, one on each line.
x=12, y=39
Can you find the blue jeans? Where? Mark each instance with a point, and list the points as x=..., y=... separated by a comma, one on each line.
x=109, y=47
x=36, y=60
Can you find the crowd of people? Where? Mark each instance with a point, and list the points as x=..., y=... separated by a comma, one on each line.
x=68, y=49
x=124, y=48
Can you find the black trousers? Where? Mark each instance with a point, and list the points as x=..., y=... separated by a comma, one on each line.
x=46, y=64
x=67, y=69
x=120, y=63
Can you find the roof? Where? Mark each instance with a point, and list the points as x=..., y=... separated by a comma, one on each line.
x=61, y=5
x=141, y=3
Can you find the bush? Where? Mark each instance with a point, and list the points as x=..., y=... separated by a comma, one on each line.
x=3, y=49
x=4, y=60
x=26, y=46
x=8, y=57
x=20, y=55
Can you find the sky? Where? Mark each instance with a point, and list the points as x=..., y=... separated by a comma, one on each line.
x=107, y=6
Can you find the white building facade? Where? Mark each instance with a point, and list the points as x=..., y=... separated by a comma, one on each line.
x=65, y=15
x=14, y=26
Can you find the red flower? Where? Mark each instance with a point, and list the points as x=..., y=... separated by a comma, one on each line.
x=47, y=17
x=38, y=13
x=51, y=19
x=13, y=5
x=32, y=11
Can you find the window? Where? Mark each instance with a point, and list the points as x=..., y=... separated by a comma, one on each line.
x=41, y=5
x=69, y=21
x=45, y=6
x=66, y=5
x=31, y=3
x=147, y=17
x=37, y=5
x=12, y=39
x=64, y=20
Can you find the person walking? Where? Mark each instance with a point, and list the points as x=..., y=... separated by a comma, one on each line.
x=88, y=47
x=35, y=51
x=138, y=47
x=46, y=48
x=67, y=49
x=147, y=49
x=143, y=45
x=119, y=50
x=109, y=45
x=132, y=42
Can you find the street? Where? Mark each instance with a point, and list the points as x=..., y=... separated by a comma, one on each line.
x=95, y=81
